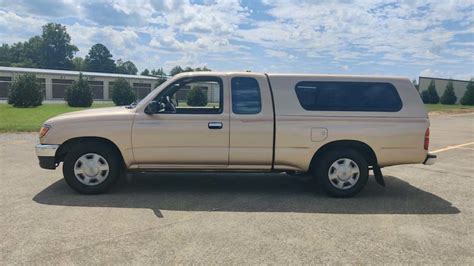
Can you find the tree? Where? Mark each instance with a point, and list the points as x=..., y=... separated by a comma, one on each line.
x=425, y=96
x=79, y=64
x=176, y=70
x=161, y=76
x=79, y=94
x=5, y=57
x=18, y=56
x=449, y=97
x=431, y=95
x=158, y=72
x=25, y=91
x=196, y=97
x=204, y=68
x=100, y=59
x=33, y=50
x=122, y=93
x=468, y=97
x=127, y=67
x=56, y=47
x=145, y=72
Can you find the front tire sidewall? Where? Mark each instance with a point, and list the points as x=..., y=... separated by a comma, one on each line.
x=331, y=157
x=84, y=148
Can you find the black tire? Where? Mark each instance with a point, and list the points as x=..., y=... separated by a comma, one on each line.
x=104, y=150
x=322, y=168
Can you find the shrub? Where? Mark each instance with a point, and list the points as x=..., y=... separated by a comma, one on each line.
x=196, y=97
x=468, y=98
x=425, y=96
x=122, y=93
x=79, y=94
x=25, y=91
x=449, y=97
x=431, y=95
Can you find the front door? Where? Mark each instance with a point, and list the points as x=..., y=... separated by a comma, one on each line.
x=191, y=131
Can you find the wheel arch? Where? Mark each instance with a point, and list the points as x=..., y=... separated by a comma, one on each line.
x=70, y=143
x=359, y=146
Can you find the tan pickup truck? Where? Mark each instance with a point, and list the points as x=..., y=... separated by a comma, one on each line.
x=333, y=127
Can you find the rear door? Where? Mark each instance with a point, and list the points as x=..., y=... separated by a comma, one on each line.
x=251, y=122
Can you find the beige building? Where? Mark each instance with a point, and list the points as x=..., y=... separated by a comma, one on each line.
x=55, y=82
x=459, y=86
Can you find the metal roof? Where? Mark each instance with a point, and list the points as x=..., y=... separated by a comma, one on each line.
x=72, y=72
x=459, y=80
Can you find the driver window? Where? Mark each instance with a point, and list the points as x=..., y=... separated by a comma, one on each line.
x=196, y=96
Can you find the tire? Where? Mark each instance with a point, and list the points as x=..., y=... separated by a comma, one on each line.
x=105, y=162
x=337, y=172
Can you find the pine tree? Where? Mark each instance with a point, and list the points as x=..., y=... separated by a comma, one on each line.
x=449, y=97
x=468, y=98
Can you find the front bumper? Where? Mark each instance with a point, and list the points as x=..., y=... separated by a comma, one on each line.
x=46, y=155
x=430, y=159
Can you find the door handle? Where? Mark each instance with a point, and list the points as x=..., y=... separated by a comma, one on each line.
x=214, y=125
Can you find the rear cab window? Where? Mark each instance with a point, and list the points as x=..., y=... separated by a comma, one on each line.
x=348, y=96
x=246, y=98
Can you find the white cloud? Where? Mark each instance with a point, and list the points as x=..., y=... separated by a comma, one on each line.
x=446, y=74
x=334, y=35
x=16, y=28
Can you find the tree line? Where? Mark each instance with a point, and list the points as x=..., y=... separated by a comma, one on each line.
x=53, y=50
x=430, y=95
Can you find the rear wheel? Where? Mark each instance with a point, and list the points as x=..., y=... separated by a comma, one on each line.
x=91, y=167
x=342, y=173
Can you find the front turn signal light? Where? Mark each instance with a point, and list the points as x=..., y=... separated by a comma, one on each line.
x=44, y=130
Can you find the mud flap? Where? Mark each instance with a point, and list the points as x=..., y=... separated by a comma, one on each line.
x=378, y=175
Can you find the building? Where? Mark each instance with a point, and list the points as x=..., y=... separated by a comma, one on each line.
x=210, y=89
x=459, y=86
x=55, y=82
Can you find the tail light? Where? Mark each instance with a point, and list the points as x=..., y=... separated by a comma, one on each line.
x=427, y=139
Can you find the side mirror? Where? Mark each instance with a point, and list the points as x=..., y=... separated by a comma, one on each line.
x=152, y=108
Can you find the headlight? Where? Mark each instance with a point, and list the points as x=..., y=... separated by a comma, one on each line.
x=44, y=130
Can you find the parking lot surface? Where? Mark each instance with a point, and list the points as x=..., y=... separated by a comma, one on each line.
x=425, y=214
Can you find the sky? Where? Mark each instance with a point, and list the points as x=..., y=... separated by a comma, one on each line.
x=370, y=37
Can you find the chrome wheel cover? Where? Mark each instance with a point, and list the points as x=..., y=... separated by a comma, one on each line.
x=91, y=169
x=344, y=173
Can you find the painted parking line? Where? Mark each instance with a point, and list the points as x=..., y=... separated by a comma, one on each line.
x=464, y=148
x=452, y=147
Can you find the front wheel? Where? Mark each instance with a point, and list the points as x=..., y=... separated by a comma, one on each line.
x=91, y=168
x=342, y=173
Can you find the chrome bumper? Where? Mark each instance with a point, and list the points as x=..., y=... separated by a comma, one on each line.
x=430, y=159
x=46, y=150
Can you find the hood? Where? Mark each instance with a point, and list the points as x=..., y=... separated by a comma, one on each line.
x=96, y=114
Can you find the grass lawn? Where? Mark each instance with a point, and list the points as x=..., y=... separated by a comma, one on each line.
x=30, y=119
x=455, y=108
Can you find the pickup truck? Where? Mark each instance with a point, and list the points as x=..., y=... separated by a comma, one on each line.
x=333, y=127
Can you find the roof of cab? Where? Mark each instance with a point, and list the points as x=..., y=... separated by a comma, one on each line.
x=295, y=75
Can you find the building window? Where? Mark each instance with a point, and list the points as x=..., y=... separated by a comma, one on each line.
x=348, y=96
x=5, y=83
x=141, y=89
x=60, y=86
x=246, y=97
x=97, y=88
